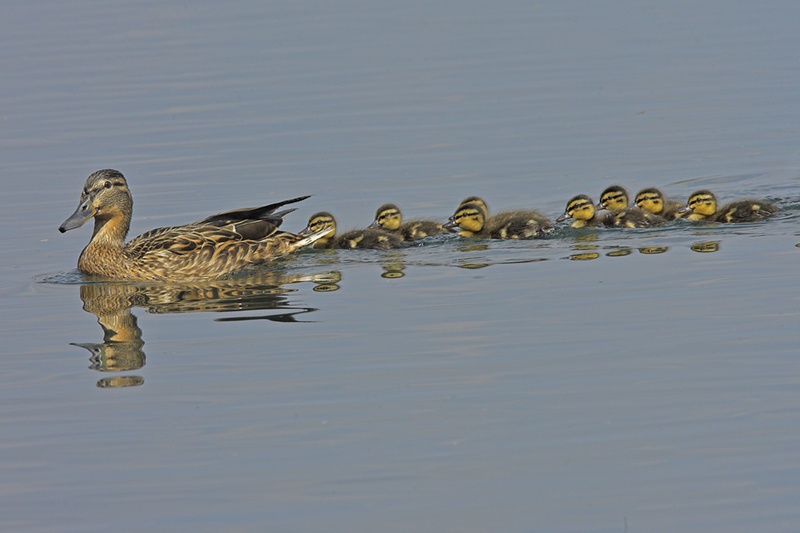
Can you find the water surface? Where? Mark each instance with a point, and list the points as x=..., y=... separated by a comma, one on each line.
x=642, y=380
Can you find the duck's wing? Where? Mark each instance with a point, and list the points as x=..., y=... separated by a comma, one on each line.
x=206, y=251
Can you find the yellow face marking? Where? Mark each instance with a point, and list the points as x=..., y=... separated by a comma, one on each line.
x=389, y=218
x=470, y=218
x=581, y=209
x=703, y=204
x=614, y=200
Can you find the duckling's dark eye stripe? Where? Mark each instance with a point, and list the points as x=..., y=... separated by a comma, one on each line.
x=613, y=197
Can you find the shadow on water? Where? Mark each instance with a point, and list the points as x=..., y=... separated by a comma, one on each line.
x=122, y=348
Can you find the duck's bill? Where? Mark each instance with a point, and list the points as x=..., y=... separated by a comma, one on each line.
x=684, y=209
x=304, y=231
x=450, y=225
x=563, y=217
x=374, y=225
x=84, y=212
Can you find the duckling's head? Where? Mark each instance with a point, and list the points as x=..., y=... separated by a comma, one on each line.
x=469, y=217
x=474, y=200
x=580, y=208
x=703, y=203
x=651, y=199
x=387, y=217
x=105, y=197
x=318, y=222
x=614, y=198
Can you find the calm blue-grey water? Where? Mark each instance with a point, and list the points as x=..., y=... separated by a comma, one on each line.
x=640, y=380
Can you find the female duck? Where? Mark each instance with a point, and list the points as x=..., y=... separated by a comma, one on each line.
x=323, y=223
x=615, y=200
x=702, y=206
x=389, y=218
x=202, y=250
x=472, y=220
x=652, y=200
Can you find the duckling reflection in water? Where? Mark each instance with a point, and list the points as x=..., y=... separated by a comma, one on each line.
x=207, y=249
x=390, y=219
x=615, y=200
x=653, y=200
x=325, y=224
x=472, y=220
x=702, y=207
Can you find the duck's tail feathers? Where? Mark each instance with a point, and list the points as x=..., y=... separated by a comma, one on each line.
x=265, y=212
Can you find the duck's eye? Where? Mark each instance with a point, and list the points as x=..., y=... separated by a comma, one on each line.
x=107, y=185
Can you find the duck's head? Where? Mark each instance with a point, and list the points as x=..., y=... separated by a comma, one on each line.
x=474, y=200
x=650, y=199
x=105, y=197
x=703, y=203
x=580, y=207
x=469, y=217
x=319, y=222
x=614, y=198
x=387, y=217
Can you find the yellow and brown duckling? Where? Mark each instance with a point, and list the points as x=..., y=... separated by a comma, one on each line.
x=202, y=250
x=615, y=200
x=653, y=200
x=702, y=206
x=390, y=219
x=581, y=210
x=472, y=220
x=368, y=238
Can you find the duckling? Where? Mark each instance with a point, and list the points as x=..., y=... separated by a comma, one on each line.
x=580, y=208
x=615, y=199
x=652, y=200
x=324, y=223
x=389, y=218
x=702, y=206
x=204, y=250
x=472, y=220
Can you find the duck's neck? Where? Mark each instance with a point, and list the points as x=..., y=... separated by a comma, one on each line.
x=105, y=253
x=110, y=231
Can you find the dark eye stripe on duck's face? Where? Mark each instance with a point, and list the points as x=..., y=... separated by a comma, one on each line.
x=613, y=198
x=466, y=213
x=387, y=214
x=694, y=200
x=579, y=205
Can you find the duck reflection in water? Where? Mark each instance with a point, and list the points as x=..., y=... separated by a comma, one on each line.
x=122, y=348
